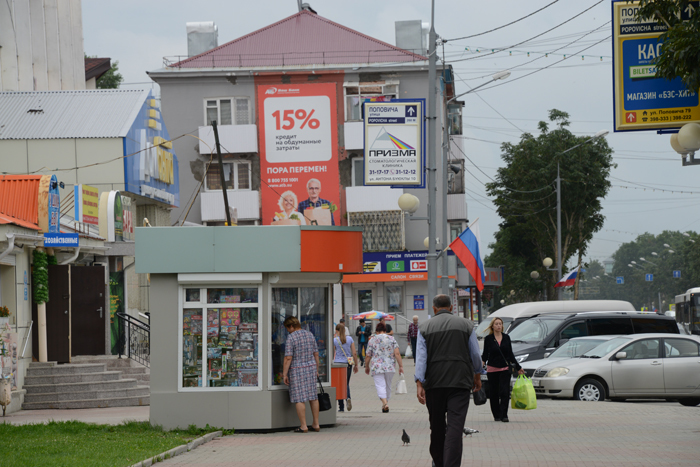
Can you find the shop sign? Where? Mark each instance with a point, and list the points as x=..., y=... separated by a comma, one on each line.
x=419, y=302
x=49, y=206
x=58, y=240
x=151, y=167
x=298, y=140
x=111, y=217
x=394, y=143
x=87, y=204
x=396, y=261
x=643, y=101
x=128, y=218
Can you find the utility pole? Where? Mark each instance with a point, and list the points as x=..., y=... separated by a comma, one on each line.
x=221, y=173
x=559, y=261
x=431, y=168
x=445, y=281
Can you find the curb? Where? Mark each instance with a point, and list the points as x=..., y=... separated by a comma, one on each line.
x=178, y=450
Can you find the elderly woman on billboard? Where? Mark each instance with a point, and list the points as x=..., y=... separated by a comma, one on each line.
x=289, y=215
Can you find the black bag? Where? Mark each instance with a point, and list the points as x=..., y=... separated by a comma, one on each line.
x=324, y=399
x=512, y=366
x=480, y=397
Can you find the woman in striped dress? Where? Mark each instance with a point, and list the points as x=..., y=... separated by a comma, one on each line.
x=301, y=372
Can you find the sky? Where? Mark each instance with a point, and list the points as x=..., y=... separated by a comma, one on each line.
x=140, y=33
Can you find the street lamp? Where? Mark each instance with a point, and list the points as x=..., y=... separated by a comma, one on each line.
x=688, y=235
x=686, y=142
x=444, y=283
x=647, y=261
x=600, y=134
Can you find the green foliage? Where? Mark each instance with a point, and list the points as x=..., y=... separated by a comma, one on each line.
x=40, y=277
x=112, y=79
x=77, y=444
x=685, y=257
x=525, y=197
x=681, y=49
x=52, y=260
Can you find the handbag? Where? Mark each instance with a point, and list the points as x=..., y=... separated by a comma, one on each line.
x=512, y=366
x=480, y=397
x=324, y=399
x=351, y=361
x=401, y=386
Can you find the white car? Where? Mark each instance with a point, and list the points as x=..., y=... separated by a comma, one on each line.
x=571, y=349
x=640, y=366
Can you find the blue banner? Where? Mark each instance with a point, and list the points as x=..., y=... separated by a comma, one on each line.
x=61, y=240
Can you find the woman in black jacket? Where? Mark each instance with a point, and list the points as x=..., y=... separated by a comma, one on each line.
x=497, y=354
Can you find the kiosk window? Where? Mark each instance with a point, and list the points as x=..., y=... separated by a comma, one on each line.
x=310, y=306
x=220, y=338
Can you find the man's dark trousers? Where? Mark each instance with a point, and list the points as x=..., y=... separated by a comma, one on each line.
x=446, y=436
x=363, y=345
x=414, y=343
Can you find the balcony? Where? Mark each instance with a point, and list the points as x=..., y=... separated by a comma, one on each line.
x=234, y=139
x=457, y=207
x=247, y=203
x=354, y=136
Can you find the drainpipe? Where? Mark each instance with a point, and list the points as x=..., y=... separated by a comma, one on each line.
x=11, y=245
x=72, y=258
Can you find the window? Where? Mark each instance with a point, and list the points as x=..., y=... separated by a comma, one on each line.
x=227, y=111
x=455, y=177
x=644, y=325
x=647, y=348
x=456, y=228
x=610, y=326
x=676, y=348
x=394, y=297
x=356, y=93
x=310, y=306
x=226, y=354
x=236, y=174
x=574, y=330
x=364, y=301
x=358, y=171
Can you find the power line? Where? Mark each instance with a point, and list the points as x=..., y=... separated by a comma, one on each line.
x=505, y=25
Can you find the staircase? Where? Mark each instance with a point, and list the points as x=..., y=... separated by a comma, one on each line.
x=88, y=382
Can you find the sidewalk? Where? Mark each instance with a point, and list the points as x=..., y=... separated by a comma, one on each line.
x=558, y=433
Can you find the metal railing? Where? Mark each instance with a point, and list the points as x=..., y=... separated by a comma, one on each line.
x=134, y=340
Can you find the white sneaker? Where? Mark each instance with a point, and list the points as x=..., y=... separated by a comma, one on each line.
x=349, y=405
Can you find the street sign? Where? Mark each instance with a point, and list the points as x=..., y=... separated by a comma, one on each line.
x=394, y=143
x=649, y=277
x=677, y=274
x=620, y=280
x=642, y=101
x=61, y=240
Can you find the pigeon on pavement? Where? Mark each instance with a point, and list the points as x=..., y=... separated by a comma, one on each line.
x=405, y=438
x=469, y=431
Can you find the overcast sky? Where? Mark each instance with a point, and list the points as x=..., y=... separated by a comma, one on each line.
x=140, y=33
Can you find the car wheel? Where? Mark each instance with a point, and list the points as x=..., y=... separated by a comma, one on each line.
x=617, y=399
x=689, y=402
x=589, y=390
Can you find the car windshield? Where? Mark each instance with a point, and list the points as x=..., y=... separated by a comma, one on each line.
x=534, y=330
x=482, y=329
x=576, y=348
x=606, y=347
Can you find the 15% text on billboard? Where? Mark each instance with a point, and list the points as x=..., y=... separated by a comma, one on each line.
x=291, y=117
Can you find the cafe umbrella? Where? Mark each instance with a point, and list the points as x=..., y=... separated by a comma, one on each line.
x=373, y=315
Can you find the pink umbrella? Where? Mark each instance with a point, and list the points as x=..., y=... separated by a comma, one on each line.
x=373, y=315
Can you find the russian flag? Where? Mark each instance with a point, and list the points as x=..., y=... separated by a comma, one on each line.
x=466, y=247
x=568, y=279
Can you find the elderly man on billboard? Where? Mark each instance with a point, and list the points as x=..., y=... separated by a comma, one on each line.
x=313, y=187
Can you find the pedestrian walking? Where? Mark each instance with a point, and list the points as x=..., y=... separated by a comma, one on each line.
x=389, y=329
x=382, y=356
x=344, y=352
x=447, y=369
x=363, y=333
x=300, y=372
x=413, y=335
x=497, y=357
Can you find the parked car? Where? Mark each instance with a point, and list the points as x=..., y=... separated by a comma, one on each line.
x=641, y=366
x=534, y=337
x=572, y=349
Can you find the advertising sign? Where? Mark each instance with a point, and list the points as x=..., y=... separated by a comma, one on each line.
x=419, y=302
x=394, y=146
x=111, y=218
x=643, y=101
x=87, y=204
x=393, y=266
x=150, y=165
x=49, y=204
x=116, y=305
x=298, y=141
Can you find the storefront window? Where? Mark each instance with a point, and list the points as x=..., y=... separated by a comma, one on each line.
x=394, y=296
x=310, y=306
x=228, y=357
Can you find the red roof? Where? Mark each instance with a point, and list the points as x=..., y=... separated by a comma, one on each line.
x=19, y=200
x=301, y=39
x=96, y=67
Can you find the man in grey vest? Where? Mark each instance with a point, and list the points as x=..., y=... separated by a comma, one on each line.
x=448, y=366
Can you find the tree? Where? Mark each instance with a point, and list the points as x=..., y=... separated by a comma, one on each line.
x=681, y=50
x=525, y=197
x=111, y=79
